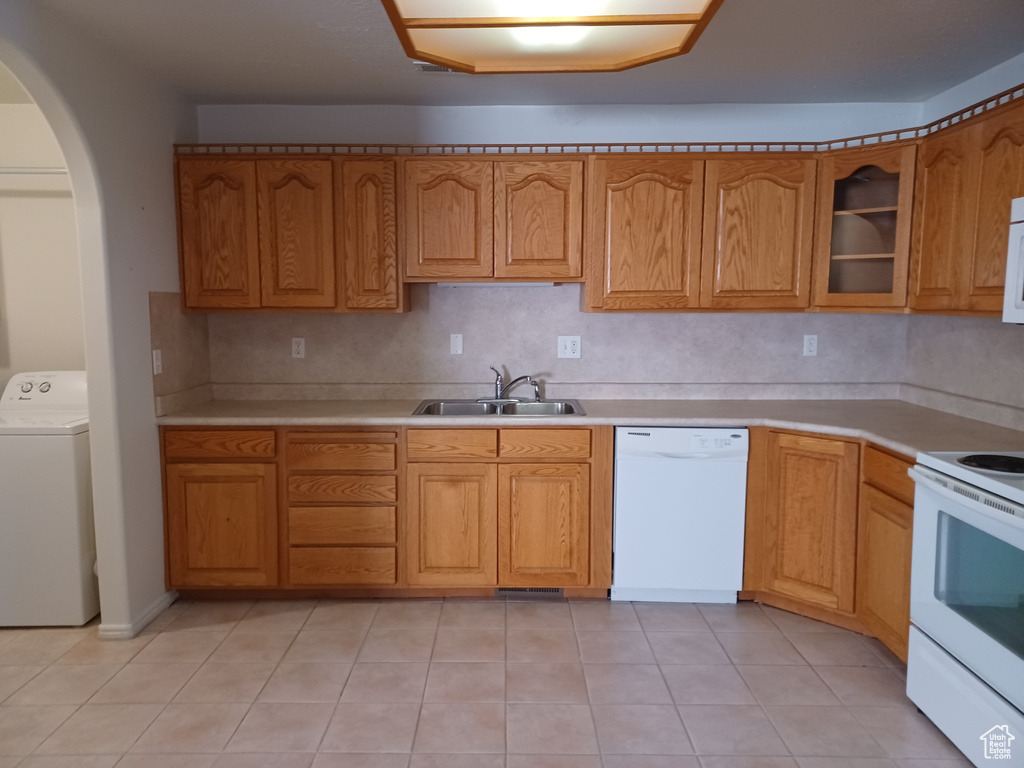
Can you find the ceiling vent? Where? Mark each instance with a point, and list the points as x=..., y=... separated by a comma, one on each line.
x=426, y=66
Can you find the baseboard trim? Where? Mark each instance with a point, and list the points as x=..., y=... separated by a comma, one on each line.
x=128, y=631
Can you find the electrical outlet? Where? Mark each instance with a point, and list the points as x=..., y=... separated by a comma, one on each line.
x=456, y=343
x=158, y=362
x=568, y=346
x=810, y=346
x=298, y=347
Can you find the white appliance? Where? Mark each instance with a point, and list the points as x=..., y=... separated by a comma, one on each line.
x=679, y=510
x=47, y=544
x=1013, y=294
x=965, y=669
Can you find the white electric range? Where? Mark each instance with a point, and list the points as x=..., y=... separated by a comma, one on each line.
x=965, y=669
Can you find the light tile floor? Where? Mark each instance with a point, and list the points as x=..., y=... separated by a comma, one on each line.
x=461, y=684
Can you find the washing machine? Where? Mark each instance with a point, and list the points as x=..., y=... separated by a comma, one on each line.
x=47, y=541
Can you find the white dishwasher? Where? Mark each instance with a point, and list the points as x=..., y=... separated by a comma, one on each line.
x=680, y=506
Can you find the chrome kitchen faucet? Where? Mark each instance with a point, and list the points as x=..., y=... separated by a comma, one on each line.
x=501, y=389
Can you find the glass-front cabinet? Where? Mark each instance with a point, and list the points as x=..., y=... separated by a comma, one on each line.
x=862, y=241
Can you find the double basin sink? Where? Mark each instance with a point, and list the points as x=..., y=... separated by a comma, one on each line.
x=514, y=408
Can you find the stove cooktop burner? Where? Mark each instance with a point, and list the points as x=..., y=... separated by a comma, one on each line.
x=994, y=462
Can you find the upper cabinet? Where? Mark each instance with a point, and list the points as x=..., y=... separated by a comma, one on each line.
x=472, y=219
x=218, y=233
x=999, y=146
x=862, y=237
x=256, y=233
x=289, y=233
x=449, y=228
x=901, y=225
x=941, y=229
x=366, y=199
x=758, y=231
x=965, y=181
x=643, y=247
x=296, y=225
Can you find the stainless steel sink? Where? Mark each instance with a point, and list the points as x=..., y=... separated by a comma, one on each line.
x=516, y=408
x=455, y=408
x=543, y=408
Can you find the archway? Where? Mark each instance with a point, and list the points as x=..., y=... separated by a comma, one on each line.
x=108, y=511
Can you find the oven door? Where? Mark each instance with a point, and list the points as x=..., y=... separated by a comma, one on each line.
x=967, y=579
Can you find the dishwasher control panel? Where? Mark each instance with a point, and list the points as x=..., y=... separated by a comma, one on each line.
x=721, y=443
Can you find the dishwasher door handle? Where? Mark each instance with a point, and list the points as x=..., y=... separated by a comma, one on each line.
x=642, y=455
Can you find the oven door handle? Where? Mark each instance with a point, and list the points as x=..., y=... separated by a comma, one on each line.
x=998, y=509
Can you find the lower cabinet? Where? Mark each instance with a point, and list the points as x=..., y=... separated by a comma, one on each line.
x=811, y=520
x=543, y=525
x=342, y=496
x=220, y=523
x=388, y=509
x=829, y=526
x=521, y=519
x=451, y=524
x=885, y=530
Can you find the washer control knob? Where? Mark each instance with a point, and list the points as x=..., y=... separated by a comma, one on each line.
x=26, y=387
x=44, y=387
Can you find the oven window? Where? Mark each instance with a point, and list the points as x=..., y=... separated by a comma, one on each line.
x=982, y=579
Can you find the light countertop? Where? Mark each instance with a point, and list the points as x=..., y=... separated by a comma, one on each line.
x=899, y=426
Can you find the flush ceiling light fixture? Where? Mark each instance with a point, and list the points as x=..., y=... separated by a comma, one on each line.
x=500, y=36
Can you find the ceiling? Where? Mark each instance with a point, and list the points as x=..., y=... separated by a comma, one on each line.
x=754, y=51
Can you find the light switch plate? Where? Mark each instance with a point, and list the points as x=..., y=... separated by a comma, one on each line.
x=158, y=362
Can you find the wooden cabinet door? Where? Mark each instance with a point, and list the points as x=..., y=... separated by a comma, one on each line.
x=367, y=234
x=449, y=218
x=296, y=224
x=643, y=251
x=885, y=529
x=811, y=520
x=758, y=233
x=998, y=143
x=943, y=229
x=538, y=219
x=862, y=227
x=218, y=233
x=451, y=519
x=543, y=525
x=222, y=525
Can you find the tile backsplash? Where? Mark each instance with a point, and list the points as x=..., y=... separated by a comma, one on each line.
x=970, y=366
x=518, y=327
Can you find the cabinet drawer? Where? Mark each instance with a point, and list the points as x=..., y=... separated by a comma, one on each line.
x=219, y=444
x=545, y=443
x=341, y=489
x=432, y=444
x=889, y=473
x=341, y=525
x=341, y=456
x=342, y=565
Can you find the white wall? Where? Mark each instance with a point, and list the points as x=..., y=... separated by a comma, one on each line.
x=116, y=127
x=41, y=325
x=1000, y=78
x=546, y=125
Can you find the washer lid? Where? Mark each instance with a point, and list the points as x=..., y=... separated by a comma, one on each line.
x=43, y=422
